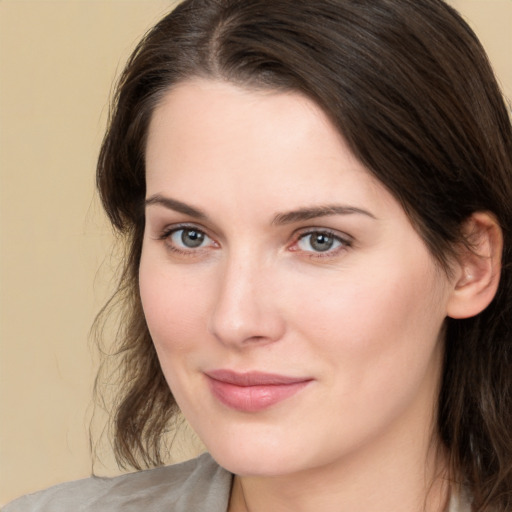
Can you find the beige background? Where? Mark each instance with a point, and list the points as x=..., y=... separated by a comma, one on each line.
x=57, y=62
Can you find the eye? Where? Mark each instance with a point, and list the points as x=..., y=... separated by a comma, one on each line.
x=186, y=239
x=321, y=242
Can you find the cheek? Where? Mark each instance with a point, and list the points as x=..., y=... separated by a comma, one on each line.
x=379, y=338
x=174, y=307
x=379, y=323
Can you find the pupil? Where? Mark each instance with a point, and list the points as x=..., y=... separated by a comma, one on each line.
x=322, y=242
x=192, y=238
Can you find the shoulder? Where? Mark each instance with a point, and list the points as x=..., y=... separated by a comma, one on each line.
x=198, y=484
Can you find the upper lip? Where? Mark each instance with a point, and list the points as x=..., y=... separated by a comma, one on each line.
x=253, y=378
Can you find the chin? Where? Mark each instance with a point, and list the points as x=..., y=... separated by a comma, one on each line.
x=257, y=458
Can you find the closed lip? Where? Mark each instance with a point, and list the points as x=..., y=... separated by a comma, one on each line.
x=251, y=392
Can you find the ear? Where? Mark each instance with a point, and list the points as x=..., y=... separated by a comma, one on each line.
x=478, y=266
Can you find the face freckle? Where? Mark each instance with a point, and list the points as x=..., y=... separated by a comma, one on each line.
x=353, y=331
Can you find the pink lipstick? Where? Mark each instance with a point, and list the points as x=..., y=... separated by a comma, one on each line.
x=252, y=391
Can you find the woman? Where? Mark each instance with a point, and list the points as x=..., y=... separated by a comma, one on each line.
x=316, y=202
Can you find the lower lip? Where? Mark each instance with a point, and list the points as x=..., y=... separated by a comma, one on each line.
x=253, y=398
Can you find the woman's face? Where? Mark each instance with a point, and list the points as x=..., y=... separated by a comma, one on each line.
x=296, y=313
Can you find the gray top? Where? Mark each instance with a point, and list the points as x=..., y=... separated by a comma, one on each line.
x=198, y=485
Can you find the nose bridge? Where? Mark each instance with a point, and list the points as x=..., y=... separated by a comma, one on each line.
x=244, y=310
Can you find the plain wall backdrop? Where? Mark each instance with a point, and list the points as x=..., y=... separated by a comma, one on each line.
x=58, y=60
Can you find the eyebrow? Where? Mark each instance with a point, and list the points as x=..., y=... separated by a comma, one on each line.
x=177, y=206
x=303, y=214
x=280, y=219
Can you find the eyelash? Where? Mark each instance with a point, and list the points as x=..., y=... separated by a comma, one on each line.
x=345, y=242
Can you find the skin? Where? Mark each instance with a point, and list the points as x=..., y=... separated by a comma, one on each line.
x=362, y=320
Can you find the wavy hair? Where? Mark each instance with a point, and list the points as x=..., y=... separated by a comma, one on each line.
x=409, y=86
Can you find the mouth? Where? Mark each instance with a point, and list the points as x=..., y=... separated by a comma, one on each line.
x=253, y=391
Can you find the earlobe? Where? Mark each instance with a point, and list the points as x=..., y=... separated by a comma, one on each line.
x=478, y=267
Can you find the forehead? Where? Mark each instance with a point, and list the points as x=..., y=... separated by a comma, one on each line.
x=279, y=148
x=222, y=113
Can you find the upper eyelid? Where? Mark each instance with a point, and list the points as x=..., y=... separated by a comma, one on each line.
x=171, y=228
x=295, y=236
x=333, y=232
x=158, y=215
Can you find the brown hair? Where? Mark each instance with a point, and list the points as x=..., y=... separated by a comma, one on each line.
x=410, y=88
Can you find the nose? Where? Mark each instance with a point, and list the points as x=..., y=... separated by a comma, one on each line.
x=245, y=310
